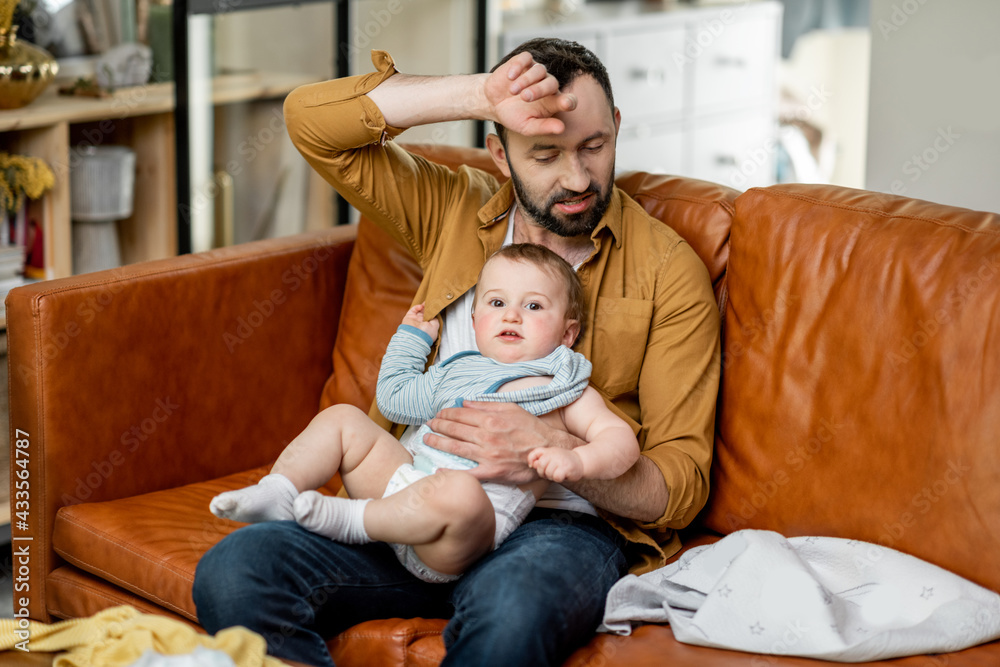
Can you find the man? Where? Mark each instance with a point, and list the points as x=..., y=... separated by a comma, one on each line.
x=651, y=334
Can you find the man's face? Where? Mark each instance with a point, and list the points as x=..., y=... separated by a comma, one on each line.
x=563, y=182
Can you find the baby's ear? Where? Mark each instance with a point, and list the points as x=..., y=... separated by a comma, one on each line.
x=572, y=331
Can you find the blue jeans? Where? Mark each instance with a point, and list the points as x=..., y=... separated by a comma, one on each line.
x=533, y=601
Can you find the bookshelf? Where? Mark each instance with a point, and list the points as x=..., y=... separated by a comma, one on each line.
x=56, y=127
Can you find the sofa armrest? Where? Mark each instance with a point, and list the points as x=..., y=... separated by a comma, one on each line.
x=165, y=373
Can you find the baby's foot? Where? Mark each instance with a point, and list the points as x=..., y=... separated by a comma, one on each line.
x=270, y=499
x=340, y=519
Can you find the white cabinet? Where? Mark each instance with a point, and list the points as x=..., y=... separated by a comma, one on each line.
x=737, y=150
x=642, y=75
x=653, y=148
x=696, y=86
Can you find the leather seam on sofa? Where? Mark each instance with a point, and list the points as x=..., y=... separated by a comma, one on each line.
x=726, y=206
x=180, y=270
x=875, y=212
x=104, y=536
x=93, y=569
x=89, y=567
x=346, y=634
x=54, y=611
x=39, y=405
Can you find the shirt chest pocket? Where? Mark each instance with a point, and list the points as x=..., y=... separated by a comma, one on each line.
x=621, y=327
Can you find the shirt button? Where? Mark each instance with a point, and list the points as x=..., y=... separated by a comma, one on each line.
x=448, y=295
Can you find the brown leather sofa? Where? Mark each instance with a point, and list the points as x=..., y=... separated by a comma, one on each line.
x=860, y=395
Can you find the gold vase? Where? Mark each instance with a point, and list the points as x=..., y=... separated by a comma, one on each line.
x=25, y=70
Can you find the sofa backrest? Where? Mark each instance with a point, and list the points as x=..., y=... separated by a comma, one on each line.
x=860, y=394
x=861, y=375
x=699, y=211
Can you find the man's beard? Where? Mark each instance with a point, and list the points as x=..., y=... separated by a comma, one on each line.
x=565, y=225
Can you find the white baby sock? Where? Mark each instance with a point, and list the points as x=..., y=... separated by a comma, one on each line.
x=340, y=519
x=270, y=499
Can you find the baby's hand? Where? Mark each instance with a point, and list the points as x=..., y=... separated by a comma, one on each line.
x=415, y=318
x=556, y=464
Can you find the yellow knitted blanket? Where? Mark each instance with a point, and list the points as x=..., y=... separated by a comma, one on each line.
x=116, y=637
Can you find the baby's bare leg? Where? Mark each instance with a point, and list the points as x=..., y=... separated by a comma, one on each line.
x=342, y=438
x=447, y=517
x=339, y=438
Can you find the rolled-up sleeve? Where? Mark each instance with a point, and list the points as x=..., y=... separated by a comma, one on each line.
x=315, y=115
x=343, y=135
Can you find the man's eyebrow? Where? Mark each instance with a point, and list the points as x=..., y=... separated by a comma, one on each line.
x=600, y=134
x=538, y=147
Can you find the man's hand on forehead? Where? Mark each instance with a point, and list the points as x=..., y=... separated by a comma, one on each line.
x=525, y=97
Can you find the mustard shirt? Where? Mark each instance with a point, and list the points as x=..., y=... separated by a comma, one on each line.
x=652, y=332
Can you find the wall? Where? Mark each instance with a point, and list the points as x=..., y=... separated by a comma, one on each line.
x=286, y=39
x=430, y=37
x=934, y=121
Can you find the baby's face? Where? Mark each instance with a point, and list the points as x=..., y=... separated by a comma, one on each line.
x=520, y=312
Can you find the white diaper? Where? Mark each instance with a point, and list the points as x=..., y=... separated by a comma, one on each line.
x=510, y=507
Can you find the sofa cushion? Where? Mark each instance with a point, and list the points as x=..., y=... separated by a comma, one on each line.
x=700, y=211
x=860, y=393
x=418, y=643
x=73, y=593
x=148, y=544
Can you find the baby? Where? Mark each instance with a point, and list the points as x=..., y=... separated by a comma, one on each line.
x=527, y=313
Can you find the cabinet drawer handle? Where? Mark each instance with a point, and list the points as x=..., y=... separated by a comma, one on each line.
x=653, y=77
x=730, y=61
x=725, y=160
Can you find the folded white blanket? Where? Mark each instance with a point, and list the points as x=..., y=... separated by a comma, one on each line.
x=818, y=597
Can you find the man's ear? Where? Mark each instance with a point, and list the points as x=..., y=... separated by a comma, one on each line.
x=572, y=331
x=498, y=153
x=618, y=120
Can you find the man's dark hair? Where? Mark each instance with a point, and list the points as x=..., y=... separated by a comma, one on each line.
x=565, y=60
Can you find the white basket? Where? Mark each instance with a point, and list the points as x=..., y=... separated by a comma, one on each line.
x=101, y=184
